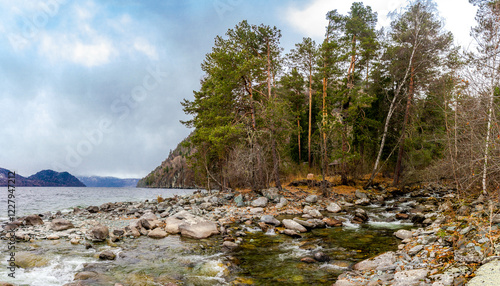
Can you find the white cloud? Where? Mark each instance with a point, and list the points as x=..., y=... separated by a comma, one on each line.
x=146, y=48
x=94, y=52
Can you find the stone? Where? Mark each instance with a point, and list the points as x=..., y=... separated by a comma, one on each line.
x=172, y=225
x=27, y=260
x=360, y=216
x=496, y=218
x=256, y=210
x=149, y=216
x=362, y=202
x=333, y=208
x=403, y=234
x=157, y=233
x=59, y=224
x=239, y=200
x=107, y=255
x=312, y=212
x=332, y=221
x=98, y=233
x=259, y=202
x=293, y=225
x=291, y=233
x=229, y=245
x=321, y=256
x=33, y=220
x=271, y=193
x=310, y=176
x=92, y=209
x=360, y=195
x=53, y=237
x=304, y=223
x=381, y=262
x=416, y=249
x=410, y=277
x=194, y=226
x=269, y=219
x=446, y=206
x=84, y=275
x=401, y=216
x=74, y=241
x=487, y=274
x=312, y=199
x=308, y=260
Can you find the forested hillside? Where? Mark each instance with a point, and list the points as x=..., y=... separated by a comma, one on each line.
x=402, y=101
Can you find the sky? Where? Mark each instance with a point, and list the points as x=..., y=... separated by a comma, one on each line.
x=94, y=87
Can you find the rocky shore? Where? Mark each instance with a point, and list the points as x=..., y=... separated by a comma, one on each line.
x=452, y=241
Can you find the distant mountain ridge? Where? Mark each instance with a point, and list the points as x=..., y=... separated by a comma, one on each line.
x=97, y=181
x=45, y=178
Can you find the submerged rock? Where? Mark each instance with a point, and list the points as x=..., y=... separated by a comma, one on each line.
x=29, y=260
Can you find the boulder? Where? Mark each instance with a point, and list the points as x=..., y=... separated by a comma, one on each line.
x=84, y=275
x=33, y=220
x=59, y=224
x=271, y=193
x=332, y=221
x=360, y=195
x=333, y=208
x=107, y=255
x=198, y=228
x=98, y=233
x=403, y=234
x=360, y=216
x=239, y=200
x=157, y=233
x=260, y=202
x=93, y=209
x=321, y=256
x=304, y=223
x=312, y=212
x=53, y=237
x=149, y=216
x=190, y=225
x=382, y=262
x=269, y=219
x=293, y=225
x=312, y=199
x=26, y=260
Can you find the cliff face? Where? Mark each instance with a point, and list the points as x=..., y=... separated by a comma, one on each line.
x=174, y=172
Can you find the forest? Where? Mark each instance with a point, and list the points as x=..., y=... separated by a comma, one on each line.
x=402, y=102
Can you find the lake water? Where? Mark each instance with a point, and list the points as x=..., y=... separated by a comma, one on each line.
x=35, y=200
x=262, y=259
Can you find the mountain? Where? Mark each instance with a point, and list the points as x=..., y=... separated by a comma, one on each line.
x=55, y=179
x=20, y=180
x=96, y=181
x=174, y=172
x=45, y=178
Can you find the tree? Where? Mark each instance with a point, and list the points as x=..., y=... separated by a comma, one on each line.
x=487, y=61
x=304, y=58
x=416, y=55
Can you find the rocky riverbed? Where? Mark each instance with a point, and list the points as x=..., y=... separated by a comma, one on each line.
x=449, y=241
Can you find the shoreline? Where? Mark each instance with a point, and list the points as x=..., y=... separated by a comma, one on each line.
x=425, y=255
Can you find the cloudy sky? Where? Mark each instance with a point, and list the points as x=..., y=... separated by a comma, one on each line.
x=94, y=87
